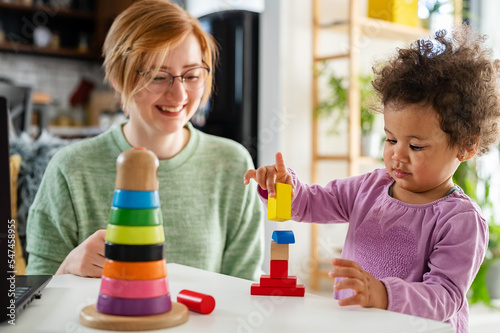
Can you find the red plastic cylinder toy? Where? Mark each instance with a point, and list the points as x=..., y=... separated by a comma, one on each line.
x=195, y=301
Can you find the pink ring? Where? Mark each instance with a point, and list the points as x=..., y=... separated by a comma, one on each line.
x=134, y=288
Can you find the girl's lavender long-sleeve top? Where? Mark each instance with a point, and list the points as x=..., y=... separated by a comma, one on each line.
x=426, y=255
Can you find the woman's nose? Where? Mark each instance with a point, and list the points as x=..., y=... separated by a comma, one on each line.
x=177, y=91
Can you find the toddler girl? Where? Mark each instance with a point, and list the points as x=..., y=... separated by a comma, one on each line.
x=415, y=240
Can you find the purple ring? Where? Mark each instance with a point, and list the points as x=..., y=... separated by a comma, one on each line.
x=133, y=306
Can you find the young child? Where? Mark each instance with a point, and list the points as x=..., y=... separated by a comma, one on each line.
x=415, y=240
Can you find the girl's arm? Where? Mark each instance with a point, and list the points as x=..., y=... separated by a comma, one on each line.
x=310, y=203
x=452, y=266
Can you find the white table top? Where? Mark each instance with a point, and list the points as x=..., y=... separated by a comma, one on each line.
x=235, y=311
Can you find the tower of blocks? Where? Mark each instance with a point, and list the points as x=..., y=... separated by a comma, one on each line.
x=134, y=293
x=279, y=283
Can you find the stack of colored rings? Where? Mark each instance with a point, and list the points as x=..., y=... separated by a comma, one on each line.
x=134, y=281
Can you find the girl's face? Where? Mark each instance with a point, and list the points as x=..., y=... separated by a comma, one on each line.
x=417, y=154
x=167, y=112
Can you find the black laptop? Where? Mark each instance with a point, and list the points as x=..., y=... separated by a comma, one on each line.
x=17, y=291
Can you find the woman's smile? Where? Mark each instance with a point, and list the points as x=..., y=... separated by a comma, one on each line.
x=170, y=111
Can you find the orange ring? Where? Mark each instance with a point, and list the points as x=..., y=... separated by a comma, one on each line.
x=135, y=270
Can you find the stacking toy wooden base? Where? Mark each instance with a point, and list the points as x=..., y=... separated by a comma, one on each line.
x=90, y=317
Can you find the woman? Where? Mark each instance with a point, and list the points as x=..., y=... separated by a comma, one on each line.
x=160, y=63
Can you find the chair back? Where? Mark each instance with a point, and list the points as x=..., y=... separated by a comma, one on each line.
x=19, y=104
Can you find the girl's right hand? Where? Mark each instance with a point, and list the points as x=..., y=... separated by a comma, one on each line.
x=267, y=176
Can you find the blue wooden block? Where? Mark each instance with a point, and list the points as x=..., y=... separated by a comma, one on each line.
x=283, y=236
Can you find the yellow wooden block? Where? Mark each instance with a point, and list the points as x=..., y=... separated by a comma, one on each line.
x=279, y=208
x=279, y=251
x=397, y=11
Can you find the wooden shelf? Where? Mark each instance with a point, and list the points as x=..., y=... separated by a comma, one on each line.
x=41, y=98
x=368, y=160
x=358, y=159
x=374, y=28
x=75, y=132
x=320, y=157
x=50, y=10
x=70, y=24
x=323, y=273
x=331, y=57
x=57, y=52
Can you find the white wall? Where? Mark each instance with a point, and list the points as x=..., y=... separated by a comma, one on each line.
x=272, y=120
x=488, y=24
x=296, y=64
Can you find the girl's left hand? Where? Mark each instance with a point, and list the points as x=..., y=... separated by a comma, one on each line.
x=368, y=291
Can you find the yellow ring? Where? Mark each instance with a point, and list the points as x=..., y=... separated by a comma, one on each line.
x=135, y=235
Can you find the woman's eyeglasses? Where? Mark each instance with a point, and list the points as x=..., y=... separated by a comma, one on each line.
x=193, y=79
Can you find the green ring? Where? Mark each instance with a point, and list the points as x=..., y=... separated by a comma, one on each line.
x=135, y=217
x=129, y=235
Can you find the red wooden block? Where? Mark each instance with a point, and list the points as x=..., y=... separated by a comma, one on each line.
x=195, y=301
x=279, y=269
x=267, y=281
x=257, y=289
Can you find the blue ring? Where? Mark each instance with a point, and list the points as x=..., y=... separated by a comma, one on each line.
x=136, y=199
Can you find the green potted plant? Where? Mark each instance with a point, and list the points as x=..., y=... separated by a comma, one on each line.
x=366, y=92
x=431, y=9
x=334, y=107
x=486, y=285
x=370, y=139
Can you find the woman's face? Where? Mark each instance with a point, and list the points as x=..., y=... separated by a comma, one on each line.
x=167, y=112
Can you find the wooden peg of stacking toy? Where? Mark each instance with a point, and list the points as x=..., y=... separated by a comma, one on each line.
x=137, y=170
x=134, y=293
x=279, y=208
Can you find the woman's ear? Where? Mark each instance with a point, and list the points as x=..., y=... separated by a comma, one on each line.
x=115, y=86
x=470, y=150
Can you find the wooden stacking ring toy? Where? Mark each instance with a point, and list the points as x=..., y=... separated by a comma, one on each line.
x=128, y=235
x=133, y=253
x=134, y=293
x=135, y=217
x=134, y=288
x=134, y=270
x=136, y=199
x=133, y=306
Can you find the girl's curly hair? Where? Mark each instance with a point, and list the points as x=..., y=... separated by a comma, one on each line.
x=456, y=76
